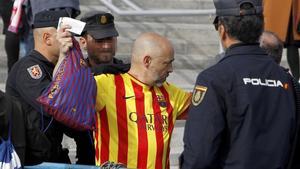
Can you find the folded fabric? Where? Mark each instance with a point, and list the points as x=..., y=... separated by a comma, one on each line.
x=9, y=159
x=73, y=84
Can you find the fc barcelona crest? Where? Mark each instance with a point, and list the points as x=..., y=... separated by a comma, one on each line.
x=198, y=94
x=35, y=71
x=161, y=100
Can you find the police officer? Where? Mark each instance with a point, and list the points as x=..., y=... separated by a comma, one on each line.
x=31, y=76
x=243, y=108
x=99, y=41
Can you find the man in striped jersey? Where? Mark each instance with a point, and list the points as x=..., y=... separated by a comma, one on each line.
x=136, y=111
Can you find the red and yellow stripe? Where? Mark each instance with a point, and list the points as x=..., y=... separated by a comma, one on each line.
x=135, y=121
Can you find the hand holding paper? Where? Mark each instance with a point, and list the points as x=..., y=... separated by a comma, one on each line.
x=76, y=25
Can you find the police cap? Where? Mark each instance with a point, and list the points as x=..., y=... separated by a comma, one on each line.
x=48, y=18
x=232, y=7
x=99, y=24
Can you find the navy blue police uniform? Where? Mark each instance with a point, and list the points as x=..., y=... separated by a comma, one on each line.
x=242, y=114
x=28, y=78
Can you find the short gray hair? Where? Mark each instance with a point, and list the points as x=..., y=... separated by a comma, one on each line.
x=272, y=44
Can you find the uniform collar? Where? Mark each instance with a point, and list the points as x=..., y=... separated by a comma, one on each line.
x=115, y=61
x=37, y=55
x=243, y=49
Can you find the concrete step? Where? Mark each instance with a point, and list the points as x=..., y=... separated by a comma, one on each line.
x=161, y=19
x=158, y=4
x=188, y=39
x=155, y=4
x=174, y=4
x=182, y=46
x=192, y=32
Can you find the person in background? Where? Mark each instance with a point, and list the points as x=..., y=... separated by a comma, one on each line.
x=12, y=40
x=31, y=75
x=243, y=106
x=272, y=44
x=283, y=18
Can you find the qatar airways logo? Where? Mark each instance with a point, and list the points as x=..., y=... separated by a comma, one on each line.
x=264, y=82
x=150, y=122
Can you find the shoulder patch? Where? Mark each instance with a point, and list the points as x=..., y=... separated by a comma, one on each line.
x=198, y=94
x=35, y=71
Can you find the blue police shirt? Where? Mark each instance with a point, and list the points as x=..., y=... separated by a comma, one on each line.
x=242, y=114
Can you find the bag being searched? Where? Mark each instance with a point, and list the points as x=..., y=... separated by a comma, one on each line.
x=9, y=159
x=72, y=84
x=8, y=156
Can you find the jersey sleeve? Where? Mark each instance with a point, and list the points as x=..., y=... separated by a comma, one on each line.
x=179, y=98
x=102, y=88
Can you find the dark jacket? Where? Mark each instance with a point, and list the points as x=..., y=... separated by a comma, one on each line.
x=11, y=114
x=243, y=114
x=114, y=68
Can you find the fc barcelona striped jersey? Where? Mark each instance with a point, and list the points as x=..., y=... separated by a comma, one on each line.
x=135, y=121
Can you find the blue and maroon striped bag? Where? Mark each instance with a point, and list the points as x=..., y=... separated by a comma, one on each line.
x=70, y=97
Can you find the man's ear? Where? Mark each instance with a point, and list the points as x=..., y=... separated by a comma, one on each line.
x=223, y=36
x=147, y=61
x=222, y=32
x=83, y=43
x=47, y=38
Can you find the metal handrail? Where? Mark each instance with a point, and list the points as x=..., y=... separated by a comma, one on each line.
x=165, y=12
x=132, y=5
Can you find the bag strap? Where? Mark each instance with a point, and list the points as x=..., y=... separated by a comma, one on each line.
x=9, y=127
x=42, y=112
x=42, y=121
x=295, y=146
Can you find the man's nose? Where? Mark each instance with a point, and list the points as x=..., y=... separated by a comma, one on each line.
x=106, y=45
